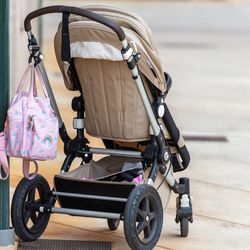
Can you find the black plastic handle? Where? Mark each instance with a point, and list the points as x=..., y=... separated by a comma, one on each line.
x=175, y=135
x=77, y=11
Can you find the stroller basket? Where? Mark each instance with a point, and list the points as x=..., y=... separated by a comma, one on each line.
x=92, y=195
x=97, y=185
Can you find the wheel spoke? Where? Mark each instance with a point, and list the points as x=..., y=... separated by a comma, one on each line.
x=147, y=231
x=141, y=213
x=140, y=227
x=31, y=196
x=152, y=215
x=147, y=205
x=26, y=216
x=33, y=217
x=37, y=202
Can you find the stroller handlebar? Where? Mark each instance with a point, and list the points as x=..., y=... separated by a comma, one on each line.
x=77, y=11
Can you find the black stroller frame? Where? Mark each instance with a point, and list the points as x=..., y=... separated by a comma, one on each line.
x=157, y=155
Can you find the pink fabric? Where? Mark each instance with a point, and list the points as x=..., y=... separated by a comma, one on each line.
x=86, y=179
x=138, y=179
x=32, y=126
x=26, y=169
x=3, y=158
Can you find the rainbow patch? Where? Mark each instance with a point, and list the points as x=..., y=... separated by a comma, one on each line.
x=47, y=139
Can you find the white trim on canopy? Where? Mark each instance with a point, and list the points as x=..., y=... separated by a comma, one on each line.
x=95, y=50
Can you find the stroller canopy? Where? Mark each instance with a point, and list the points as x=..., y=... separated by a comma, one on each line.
x=114, y=109
x=91, y=40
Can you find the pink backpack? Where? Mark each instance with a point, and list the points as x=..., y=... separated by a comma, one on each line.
x=31, y=130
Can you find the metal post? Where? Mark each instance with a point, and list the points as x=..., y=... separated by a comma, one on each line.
x=6, y=234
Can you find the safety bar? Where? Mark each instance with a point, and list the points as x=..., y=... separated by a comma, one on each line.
x=77, y=11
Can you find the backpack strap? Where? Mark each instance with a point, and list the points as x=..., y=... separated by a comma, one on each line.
x=4, y=165
x=26, y=169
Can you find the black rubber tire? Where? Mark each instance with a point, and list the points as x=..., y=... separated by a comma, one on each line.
x=24, y=195
x=184, y=226
x=113, y=224
x=145, y=208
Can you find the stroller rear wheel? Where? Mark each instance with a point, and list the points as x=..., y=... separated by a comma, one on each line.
x=143, y=217
x=28, y=222
x=113, y=224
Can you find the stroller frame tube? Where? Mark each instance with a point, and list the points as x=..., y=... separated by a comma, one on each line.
x=147, y=104
x=50, y=93
x=85, y=213
x=163, y=154
x=95, y=197
x=143, y=94
x=116, y=152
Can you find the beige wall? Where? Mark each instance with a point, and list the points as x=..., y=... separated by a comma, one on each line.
x=18, y=39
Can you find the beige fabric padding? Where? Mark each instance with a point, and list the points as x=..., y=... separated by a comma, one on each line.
x=136, y=30
x=114, y=109
x=99, y=169
x=125, y=19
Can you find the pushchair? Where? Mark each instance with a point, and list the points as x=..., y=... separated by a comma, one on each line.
x=109, y=57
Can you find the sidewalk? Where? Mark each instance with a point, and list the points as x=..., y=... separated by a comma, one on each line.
x=208, y=59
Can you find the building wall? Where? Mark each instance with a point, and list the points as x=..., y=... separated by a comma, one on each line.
x=18, y=39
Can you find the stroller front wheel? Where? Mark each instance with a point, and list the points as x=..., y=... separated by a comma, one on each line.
x=184, y=226
x=143, y=217
x=28, y=222
x=113, y=224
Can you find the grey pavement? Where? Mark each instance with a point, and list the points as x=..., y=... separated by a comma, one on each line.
x=205, y=47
